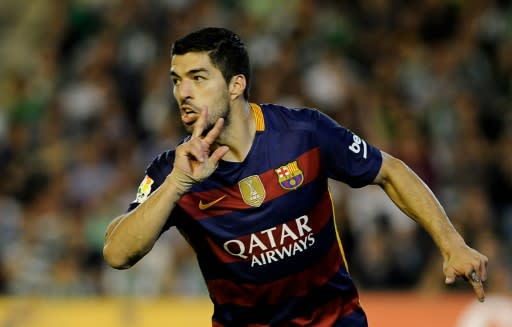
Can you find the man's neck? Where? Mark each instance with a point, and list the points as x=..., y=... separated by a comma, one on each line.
x=239, y=133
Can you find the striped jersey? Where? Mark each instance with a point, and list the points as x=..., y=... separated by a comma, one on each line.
x=263, y=229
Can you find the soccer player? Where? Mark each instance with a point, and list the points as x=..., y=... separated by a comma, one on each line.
x=248, y=190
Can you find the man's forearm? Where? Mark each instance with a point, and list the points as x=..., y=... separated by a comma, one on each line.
x=416, y=200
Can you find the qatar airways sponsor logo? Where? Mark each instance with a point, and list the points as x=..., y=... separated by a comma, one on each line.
x=273, y=244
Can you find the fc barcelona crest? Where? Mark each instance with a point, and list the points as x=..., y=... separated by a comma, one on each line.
x=252, y=190
x=290, y=176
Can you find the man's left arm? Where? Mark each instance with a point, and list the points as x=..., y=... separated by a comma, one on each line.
x=417, y=201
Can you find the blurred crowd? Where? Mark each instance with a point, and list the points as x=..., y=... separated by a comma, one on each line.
x=86, y=102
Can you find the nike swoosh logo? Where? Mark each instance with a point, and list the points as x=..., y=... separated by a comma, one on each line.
x=204, y=206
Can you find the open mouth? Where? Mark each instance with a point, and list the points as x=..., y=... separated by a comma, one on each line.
x=188, y=115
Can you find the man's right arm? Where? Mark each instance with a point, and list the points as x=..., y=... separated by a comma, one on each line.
x=131, y=236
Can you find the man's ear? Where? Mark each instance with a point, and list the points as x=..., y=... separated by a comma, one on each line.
x=237, y=86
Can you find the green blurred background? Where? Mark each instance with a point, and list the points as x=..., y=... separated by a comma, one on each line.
x=86, y=102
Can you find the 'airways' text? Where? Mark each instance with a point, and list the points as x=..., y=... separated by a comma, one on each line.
x=273, y=244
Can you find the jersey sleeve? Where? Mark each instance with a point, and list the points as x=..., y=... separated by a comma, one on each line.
x=154, y=176
x=345, y=156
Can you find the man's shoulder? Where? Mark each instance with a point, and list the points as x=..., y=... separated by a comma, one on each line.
x=281, y=116
x=287, y=110
x=162, y=162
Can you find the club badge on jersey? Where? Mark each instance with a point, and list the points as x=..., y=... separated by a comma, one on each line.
x=290, y=176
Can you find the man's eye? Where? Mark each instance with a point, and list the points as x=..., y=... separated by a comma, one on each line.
x=175, y=81
x=198, y=78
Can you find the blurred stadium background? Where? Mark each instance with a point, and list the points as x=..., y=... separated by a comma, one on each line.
x=86, y=102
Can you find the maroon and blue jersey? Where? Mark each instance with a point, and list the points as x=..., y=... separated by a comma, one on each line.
x=264, y=229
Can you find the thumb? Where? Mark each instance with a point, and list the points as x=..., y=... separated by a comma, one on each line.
x=450, y=276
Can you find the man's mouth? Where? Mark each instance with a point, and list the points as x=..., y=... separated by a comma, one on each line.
x=188, y=115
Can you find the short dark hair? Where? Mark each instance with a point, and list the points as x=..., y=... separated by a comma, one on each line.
x=225, y=48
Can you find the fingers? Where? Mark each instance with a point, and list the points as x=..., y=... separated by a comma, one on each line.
x=473, y=278
x=193, y=149
x=198, y=150
x=200, y=124
x=214, y=132
x=482, y=271
x=194, y=155
x=475, y=274
x=198, y=146
x=450, y=276
x=476, y=282
x=218, y=154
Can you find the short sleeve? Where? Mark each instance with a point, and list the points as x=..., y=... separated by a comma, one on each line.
x=154, y=176
x=345, y=156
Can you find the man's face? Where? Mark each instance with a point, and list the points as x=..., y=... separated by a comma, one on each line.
x=198, y=85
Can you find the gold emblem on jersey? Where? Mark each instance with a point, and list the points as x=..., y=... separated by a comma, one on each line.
x=252, y=190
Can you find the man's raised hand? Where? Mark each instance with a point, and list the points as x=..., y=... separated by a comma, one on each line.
x=194, y=161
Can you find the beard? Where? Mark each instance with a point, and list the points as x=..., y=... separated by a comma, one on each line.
x=212, y=119
x=223, y=112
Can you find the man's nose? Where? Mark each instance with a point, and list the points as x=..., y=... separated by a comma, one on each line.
x=184, y=90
